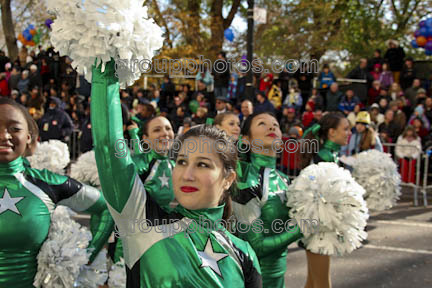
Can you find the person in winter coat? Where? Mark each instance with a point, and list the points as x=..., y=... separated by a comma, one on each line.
x=56, y=123
x=263, y=105
x=363, y=138
x=326, y=77
x=361, y=73
x=394, y=56
x=349, y=101
x=408, y=149
x=333, y=98
x=386, y=77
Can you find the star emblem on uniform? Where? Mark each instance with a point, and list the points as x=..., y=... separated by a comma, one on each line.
x=209, y=258
x=9, y=203
x=164, y=180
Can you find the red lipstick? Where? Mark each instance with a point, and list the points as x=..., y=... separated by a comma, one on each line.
x=188, y=189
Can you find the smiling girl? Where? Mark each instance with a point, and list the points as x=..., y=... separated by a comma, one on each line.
x=169, y=254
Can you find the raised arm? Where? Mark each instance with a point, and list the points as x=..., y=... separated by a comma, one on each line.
x=115, y=166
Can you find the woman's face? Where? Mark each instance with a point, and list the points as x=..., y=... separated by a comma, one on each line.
x=341, y=134
x=360, y=127
x=265, y=131
x=160, y=134
x=14, y=133
x=198, y=177
x=231, y=125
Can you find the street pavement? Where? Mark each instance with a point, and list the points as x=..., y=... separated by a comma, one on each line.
x=398, y=254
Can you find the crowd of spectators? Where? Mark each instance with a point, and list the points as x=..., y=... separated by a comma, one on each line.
x=390, y=91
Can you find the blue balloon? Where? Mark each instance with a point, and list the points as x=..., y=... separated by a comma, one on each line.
x=417, y=33
x=428, y=22
x=31, y=27
x=229, y=35
x=422, y=23
x=28, y=37
x=428, y=52
x=428, y=31
x=423, y=31
x=414, y=44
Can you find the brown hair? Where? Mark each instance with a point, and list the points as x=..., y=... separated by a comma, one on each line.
x=220, y=117
x=228, y=155
x=409, y=128
x=329, y=121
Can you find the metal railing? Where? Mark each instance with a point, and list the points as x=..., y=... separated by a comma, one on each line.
x=289, y=163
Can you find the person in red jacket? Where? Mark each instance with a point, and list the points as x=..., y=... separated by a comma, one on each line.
x=4, y=86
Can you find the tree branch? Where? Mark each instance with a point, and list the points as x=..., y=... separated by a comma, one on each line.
x=164, y=24
x=234, y=8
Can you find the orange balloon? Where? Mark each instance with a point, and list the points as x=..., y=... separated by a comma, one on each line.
x=421, y=41
x=31, y=43
x=33, y=32
x=21, y=38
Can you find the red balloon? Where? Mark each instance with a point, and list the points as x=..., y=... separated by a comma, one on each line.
x=421, y=41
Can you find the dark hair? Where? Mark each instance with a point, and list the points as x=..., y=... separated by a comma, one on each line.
x=329, y=121
x=248, y=122
x=228, y=155
x=220, y=117
x=222, y=53
x=146, y=123
x=25, y=113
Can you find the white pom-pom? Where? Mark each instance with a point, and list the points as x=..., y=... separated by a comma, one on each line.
x=85, y=169
x=327, y=195
x=376, y=172
x=89, y=30
x=52, y=155
x=63, y=253
x=96, y=274
x=117, y=275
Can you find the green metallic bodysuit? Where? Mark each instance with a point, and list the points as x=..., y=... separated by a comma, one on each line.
x=170, y=246
x=27, y=198
x=328, y=153
x=260, y=203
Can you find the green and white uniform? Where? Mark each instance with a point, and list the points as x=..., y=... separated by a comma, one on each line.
x=260, y=205
x=27, y=198
x=161, y=241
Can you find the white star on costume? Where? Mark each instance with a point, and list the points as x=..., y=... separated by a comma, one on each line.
x=8, y=203
x=209, y=258
x=164, y=180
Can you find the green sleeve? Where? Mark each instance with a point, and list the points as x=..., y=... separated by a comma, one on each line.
x=264, y=245
x=115, y=166
x=135, y=139
x=101, y=226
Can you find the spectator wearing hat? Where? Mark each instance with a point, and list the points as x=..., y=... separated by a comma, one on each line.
x=352, y=116
x=348, y=102
x=363, y=137
x=419, y=114
x=408, y=73
x=376, y=72
x=408, y=149
x=420, y=97
x=376, y=117
x=394, y=56
x=55, y=123
x=35, y=79
x=221, y=105
x=263, y=104
x=289, y=120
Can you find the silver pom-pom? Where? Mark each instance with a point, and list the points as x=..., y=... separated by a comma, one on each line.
x=63, y=253
x=117, y=275
x=52, y=155
x=85, y=169
x=89, y=30
x=327, y=195
x=376, y=172
x=94, y=275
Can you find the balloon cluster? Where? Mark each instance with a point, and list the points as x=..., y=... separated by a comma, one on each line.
x=423, y=36
x=229, y=34
x=30, y=36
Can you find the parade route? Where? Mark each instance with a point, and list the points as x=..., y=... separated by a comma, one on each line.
x=398, y=254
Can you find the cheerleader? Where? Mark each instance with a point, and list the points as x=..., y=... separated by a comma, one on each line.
x=171, y=251
x=28, y=197
x=260, y=199
x=332, y=132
